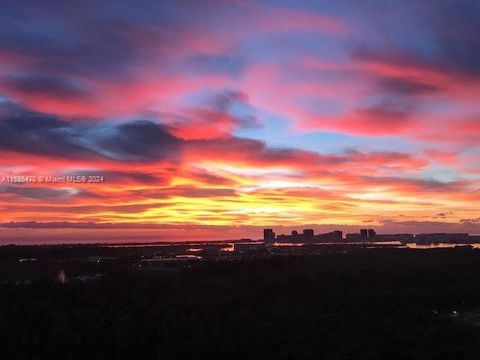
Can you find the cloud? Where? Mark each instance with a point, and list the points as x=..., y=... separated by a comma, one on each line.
x=45, y=194
x=214, y=119
x=454, y=24
x=137, y=141
x=186, y=192
x=383, y=119
x=76, y=225
x=240, y=113
x=445, y=33
x=40, y=85
x=407, y=87
x=35, y=133
x=474, y=221
x=443, y=157
x=221, y=63
x=89, y=46
x=204, y=177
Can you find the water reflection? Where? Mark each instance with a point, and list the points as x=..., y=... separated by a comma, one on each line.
x=229, y=247
x=441, y=246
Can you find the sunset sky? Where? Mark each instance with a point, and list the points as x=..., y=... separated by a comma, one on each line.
x=214, y=119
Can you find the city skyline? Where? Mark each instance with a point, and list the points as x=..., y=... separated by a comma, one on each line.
x=213, y=120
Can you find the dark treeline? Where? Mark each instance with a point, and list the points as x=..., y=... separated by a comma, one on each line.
x=378, y=304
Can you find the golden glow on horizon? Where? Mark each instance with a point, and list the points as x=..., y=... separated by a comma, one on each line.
x=250, y=196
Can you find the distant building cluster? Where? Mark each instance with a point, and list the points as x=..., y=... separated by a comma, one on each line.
x=307, y=236
x=368, y=235
x=455, y=238
x=365, y=235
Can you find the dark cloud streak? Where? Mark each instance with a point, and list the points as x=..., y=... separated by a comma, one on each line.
x=34, y=133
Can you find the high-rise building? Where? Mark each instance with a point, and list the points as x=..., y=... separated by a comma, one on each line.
x=308, y=235
x=334, y=236
x=353, y=237
x=364, y=234
x=337, y=235
x=295, y=237
x=371, y=234
x=268, y=235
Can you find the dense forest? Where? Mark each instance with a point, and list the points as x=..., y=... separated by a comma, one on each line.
x=376, y=304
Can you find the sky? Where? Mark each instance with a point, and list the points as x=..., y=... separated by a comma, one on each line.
x=213, y=119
